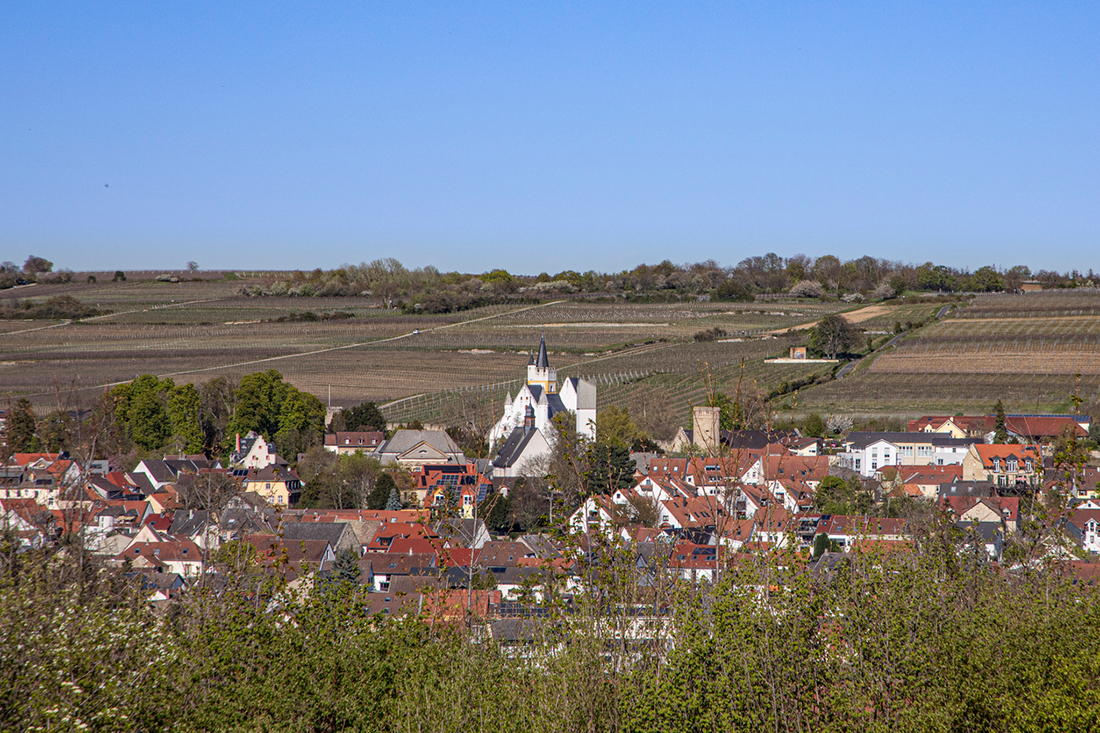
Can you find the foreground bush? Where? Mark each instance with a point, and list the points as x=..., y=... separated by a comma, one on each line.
x=899, y=642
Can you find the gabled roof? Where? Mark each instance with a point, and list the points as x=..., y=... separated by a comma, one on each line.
x=1006, y=451
x=512, y=449
x=365, y=440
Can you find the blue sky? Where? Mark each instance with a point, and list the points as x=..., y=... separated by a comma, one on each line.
x=547, y=136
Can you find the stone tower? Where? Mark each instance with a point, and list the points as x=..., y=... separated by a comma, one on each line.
x=705, y=435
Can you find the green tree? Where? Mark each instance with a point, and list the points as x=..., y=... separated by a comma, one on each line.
x=184, y=415
x=346, y=567
x=496, y=512
x=55, y=431
x=393, y=504
x=733, y=291
x=301, y=422
x=22, y=428
x=610, y=468
x=259, y=403
x=364, y=416
x=834, y=495
x=833, y=335
x=379, y=496
x=146, y=413
x=614, y=426
x=813, y=426
x=1000, y=432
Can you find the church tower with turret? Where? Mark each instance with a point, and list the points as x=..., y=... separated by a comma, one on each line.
x=539, y=371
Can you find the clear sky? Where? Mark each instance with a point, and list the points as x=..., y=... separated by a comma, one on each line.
x=547, y=136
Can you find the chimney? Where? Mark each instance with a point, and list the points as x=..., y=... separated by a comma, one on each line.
x=705, y=433
x=238, y=442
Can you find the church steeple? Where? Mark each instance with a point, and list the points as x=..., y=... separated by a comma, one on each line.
x=543, y=362
x=539, y=371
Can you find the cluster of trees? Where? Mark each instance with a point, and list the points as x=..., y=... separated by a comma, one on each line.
x=431, y=291
x=353, y=481
x=151, y=416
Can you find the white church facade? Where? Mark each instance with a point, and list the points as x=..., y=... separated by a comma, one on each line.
x=533, y=409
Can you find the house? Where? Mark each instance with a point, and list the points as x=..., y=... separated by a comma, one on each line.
x=1024, y=428
x=986, y=536
x=415, y=449
x=346, y=443
x=926, y=480
x=276, y=484
x=379, y=570
x=1003, y=511
x=435, y=484
x=847, y=530
x=339, y=535
x=253, y=451
x=1083, y=525
x=292, y=559
x=540, y=398
x=597, y=512
x=683, y=513
x=1003, y=464
x=869, y=452
x=182, y=557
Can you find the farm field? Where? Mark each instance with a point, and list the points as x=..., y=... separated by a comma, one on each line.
x=1024, y=349
x=194, y=331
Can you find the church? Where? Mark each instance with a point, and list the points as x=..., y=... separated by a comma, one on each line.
x=533, y=409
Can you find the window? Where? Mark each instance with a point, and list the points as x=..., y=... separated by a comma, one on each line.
x=997, y=465
x=1013, y=465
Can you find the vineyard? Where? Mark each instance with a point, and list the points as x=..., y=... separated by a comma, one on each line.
x=1033, y=351
x=356, y=350
x=433, y=367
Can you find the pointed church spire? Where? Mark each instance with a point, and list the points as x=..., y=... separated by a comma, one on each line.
x=542, y=362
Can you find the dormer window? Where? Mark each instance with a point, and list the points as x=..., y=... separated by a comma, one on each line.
x=1012, y=464
x=997, y=464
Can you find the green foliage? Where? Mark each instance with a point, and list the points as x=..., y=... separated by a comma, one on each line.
x=733, y=291
x=141, y=406
x=379, y=496
x=346, y=567
x=610, y=468
x=259, y=403
x=614, y=426
x=393, y=504
x=184, y=415
x=833, y=335
x=813, y=426
x=57, y=307
x=884, y=642
x=365, y=416
x=22, y=428
x=1000, y=432
x=496, y=511
x=834, y=495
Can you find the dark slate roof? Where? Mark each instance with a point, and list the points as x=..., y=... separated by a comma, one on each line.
x=513, y=447
x=328, y=531
x=189, y=523
x=542, y=361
